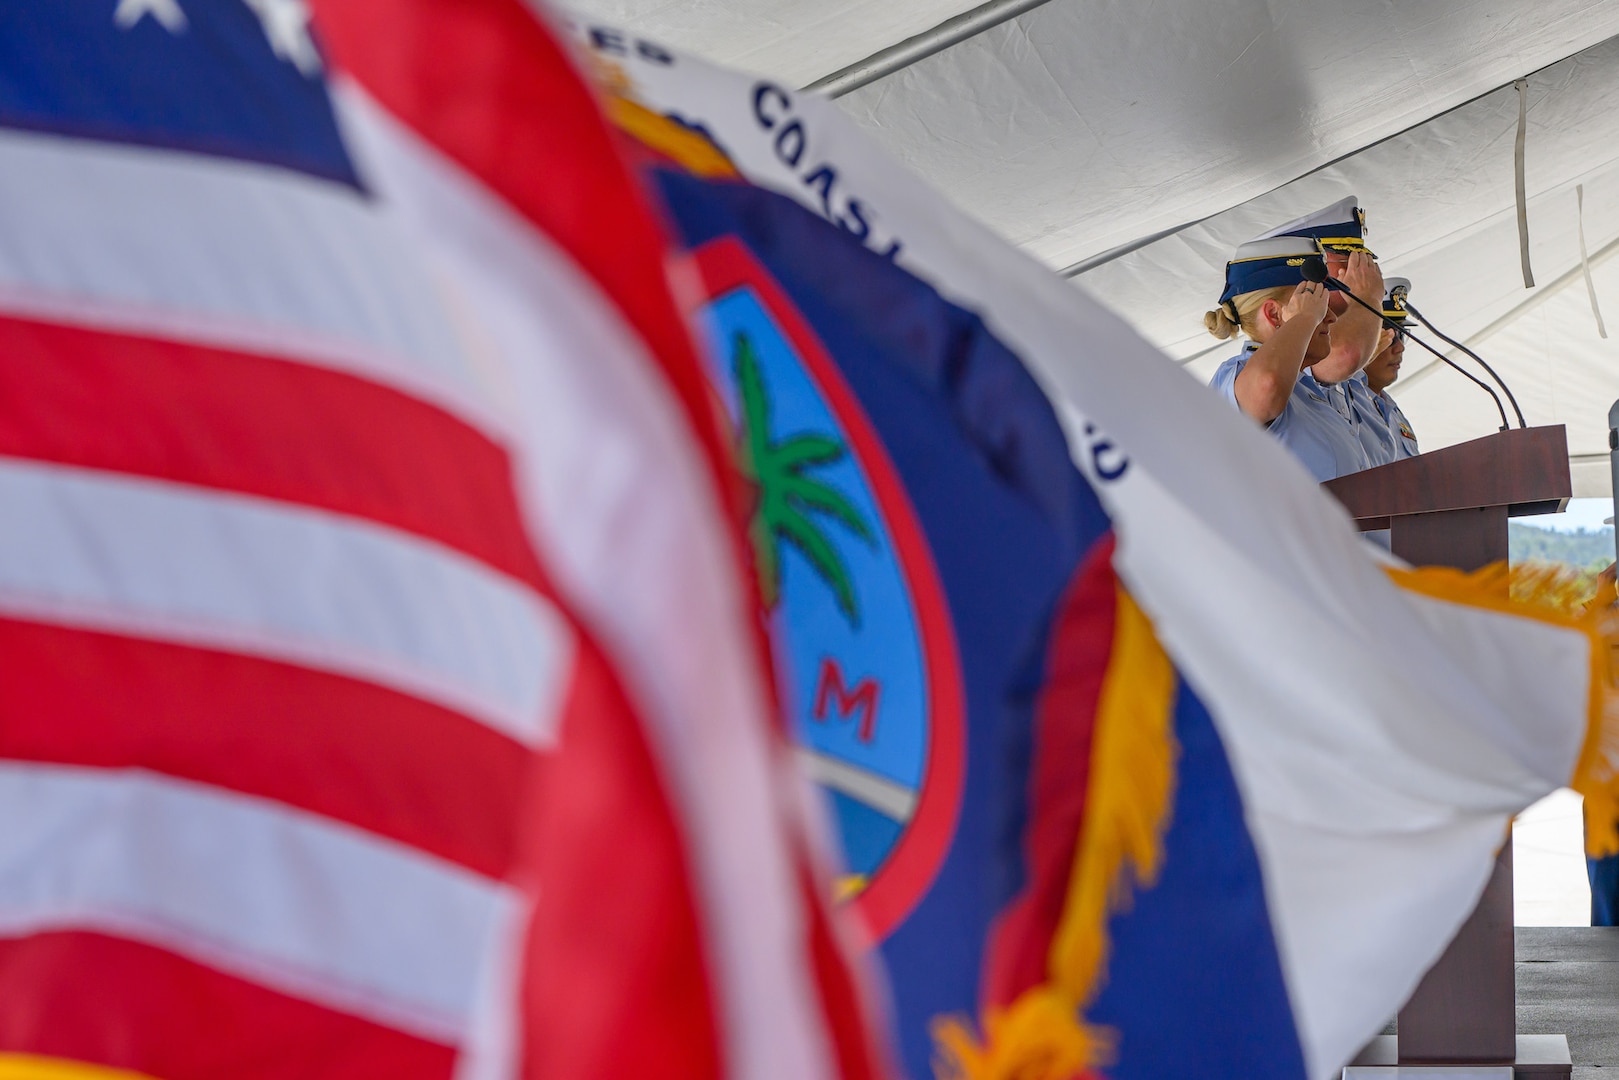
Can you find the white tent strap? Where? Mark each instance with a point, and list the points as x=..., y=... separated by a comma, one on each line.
x=1522, y=86
x=1585, y=260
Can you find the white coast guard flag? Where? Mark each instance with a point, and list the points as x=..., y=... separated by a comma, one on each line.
x=379, y=695
x=1371, y=740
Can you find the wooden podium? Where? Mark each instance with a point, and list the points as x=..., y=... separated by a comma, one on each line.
x=1450, y=508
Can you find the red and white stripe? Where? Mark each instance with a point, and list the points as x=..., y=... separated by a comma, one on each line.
x=652, y=568
x=383, y=690
x=88, y=547
x=202, y=872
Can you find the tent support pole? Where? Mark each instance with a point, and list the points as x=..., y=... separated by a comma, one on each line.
x=919, y=47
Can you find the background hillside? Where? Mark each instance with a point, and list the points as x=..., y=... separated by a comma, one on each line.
x=1590, y=549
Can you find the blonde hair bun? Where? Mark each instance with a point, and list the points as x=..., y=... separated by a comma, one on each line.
x=1219, y=324
x=1222, y=325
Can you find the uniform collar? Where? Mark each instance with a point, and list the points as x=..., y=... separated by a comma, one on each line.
x=1335, y=396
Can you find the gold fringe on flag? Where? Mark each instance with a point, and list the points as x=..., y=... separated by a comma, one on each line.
x=1554, y=594
x=675, y=141
x=35, y=1067
x=686, y=146
x=1042, y=1035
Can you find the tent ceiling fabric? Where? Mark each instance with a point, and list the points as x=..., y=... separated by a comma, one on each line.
x=792, y=41
x=1086, y=124
x=1081, y=127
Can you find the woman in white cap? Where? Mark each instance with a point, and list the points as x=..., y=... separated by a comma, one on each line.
x=1288, y=322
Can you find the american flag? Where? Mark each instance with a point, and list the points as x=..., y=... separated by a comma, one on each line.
x=379, y=691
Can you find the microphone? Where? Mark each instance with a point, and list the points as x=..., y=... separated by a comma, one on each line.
x=1452, y=341
x=1315, y=269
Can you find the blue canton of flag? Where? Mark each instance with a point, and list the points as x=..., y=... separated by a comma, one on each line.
x=234, y=78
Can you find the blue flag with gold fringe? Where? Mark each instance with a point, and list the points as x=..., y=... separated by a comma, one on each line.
x=948, y=629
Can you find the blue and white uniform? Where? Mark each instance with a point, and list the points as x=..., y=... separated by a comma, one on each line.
x=1312, y=424
x=1404, y=437
x=1373, y=426
x=1382, y=420
x=1318, y=422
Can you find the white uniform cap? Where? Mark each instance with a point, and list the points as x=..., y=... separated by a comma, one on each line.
x=1339, y=227
x=1395, y=290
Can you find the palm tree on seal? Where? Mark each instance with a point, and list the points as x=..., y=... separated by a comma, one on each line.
x=787, y=499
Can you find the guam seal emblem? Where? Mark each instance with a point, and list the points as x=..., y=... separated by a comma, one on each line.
x=862, y=636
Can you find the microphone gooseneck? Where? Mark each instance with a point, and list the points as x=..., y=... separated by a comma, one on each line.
x=1316, y=270
x=1468, y=375
x=1452, y=341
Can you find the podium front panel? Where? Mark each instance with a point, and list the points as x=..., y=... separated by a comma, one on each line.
x=1466, y=539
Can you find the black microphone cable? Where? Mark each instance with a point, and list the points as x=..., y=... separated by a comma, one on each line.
x=1315, y=270
x=1452, y=341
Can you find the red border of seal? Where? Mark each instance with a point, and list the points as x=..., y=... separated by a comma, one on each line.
x=726, y=265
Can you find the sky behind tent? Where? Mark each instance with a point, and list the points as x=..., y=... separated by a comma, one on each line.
x=1581, y=514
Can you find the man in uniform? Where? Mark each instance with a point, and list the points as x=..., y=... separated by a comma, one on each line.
x=1340, y=229
x=1384, y=430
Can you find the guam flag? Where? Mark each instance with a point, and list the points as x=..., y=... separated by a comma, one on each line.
x=1055, y=636
x=955, y=649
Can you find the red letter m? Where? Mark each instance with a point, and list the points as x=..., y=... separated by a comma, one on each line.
x=862, y=699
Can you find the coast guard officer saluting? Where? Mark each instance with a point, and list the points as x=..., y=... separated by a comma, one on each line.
x=1289, y=323
x=1341, y=231
x=1384, y=429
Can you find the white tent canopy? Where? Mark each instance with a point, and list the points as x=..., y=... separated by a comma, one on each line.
x=1133, y=146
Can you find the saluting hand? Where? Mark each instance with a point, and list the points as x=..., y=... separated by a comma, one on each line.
x=1364, y=278
x=1308, y=301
